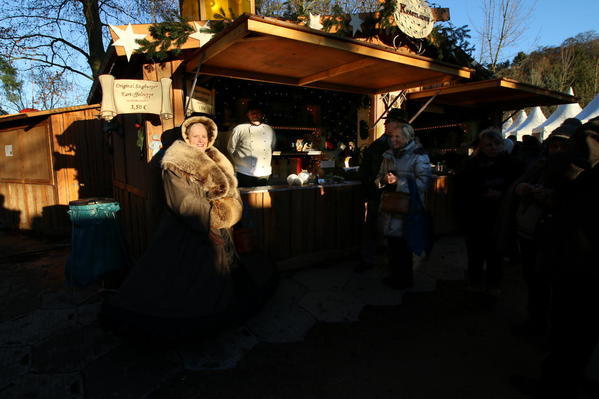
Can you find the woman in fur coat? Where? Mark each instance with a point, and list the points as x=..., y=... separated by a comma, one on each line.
x=184, y=281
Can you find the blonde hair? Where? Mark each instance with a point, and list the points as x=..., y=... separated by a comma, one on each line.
x=408, y=131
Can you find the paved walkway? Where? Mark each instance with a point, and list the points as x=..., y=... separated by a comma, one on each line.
x=327, y=332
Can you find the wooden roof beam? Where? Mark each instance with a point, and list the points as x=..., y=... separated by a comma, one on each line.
x=247, y=75
x=338, y=70
x=415, y=83
x=215, y=47
x=338, y=87
x=277, y=79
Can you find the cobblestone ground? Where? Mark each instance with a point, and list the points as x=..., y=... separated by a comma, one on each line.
x=327, y=332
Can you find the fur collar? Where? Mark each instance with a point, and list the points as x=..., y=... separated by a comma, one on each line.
x=211, y=168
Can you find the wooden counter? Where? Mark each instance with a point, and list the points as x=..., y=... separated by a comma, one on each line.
x=320, y=220
x=292, y=221
x=440, y=201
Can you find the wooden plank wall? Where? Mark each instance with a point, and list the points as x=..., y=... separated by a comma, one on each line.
x=137, y=184
x=297, y=221
x=67, y=160
x=22, y=206
x=81, y=160
x=133, y=219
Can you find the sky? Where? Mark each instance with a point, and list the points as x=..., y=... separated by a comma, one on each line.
x=550, y=23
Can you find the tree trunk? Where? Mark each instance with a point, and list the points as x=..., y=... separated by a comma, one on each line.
x=93, y=26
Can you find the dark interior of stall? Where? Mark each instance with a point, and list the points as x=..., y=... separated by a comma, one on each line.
x=316, y=130
x=447, y=133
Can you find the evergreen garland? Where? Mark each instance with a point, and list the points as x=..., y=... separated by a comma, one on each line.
x=173, y=32
x=388, y=8
x=339, y=20
x=446, y=42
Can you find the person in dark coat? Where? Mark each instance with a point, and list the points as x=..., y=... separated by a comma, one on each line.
x=184, y=283
x=528, y=150
x=480, y=186
x=369, y=169
x=533, y=196
x=575, y=326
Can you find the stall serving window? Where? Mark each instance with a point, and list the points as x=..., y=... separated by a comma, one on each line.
x=313, y=127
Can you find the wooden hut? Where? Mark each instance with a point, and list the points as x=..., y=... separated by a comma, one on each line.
x=289, y=222
x=47, y=159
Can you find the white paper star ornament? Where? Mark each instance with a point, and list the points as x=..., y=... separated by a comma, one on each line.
x=355, y=23
x=315, y=22
x=202, y=37
x=127, y=39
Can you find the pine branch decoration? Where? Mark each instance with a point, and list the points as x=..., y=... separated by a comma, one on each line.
x=172, y=33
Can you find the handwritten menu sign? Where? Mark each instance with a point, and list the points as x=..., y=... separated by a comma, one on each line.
x=129, y=96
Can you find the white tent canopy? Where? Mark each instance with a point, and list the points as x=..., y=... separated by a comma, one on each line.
x=561, y=113
x=506, y=125
x=590, y=111
x=535, y=118
x=519, y=118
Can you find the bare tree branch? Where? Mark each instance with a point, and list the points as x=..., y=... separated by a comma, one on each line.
x=503, y=24
x=65, y=67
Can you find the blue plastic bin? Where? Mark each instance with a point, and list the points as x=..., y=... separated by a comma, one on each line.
x=96, y=245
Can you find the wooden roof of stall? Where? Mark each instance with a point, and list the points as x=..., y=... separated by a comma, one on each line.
x=34, y=114
x=501, y=94
x=269, y=50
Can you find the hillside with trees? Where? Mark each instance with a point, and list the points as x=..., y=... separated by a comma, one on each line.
x=575, y=63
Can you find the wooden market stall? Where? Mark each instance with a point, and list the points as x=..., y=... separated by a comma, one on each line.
x=47, y=159
x=289, y=221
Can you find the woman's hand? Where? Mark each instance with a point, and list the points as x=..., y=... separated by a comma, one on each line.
x=391, y=178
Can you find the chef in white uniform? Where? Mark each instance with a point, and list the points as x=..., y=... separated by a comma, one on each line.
x=250, y=146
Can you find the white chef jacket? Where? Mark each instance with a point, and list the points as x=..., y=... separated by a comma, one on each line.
x=251, y=148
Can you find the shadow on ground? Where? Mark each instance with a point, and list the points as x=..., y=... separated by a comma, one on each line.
x=327, y=333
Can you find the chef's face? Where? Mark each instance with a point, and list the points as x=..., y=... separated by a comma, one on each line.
x=198, y=136
x=255, y=116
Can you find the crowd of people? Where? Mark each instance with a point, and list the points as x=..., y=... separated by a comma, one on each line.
x=531, y=203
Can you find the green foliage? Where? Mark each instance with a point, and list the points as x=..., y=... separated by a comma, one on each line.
x=573, y=64
x=386, y=12
x=339, y=20
x=519, y=58
x=11, y=84
x=174, y=31
x=218, y=25
x=450, y=43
